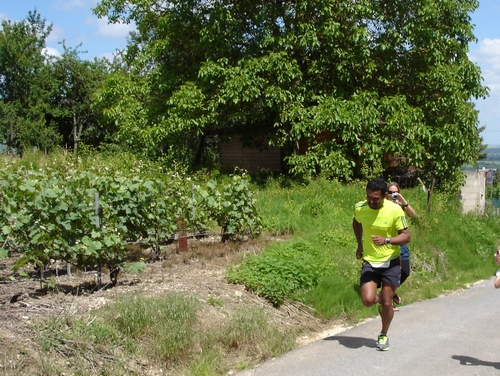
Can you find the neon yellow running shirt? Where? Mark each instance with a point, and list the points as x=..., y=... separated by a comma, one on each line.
x=385, y=222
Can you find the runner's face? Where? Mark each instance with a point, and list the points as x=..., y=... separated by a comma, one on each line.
x=375, y=199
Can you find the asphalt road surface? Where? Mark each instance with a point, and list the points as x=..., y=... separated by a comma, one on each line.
x=457, y=334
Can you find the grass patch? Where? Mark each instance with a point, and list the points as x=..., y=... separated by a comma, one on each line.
x=335, y=296
x=162, y=334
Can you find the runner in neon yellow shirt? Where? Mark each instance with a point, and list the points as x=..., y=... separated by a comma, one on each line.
x=380, y=228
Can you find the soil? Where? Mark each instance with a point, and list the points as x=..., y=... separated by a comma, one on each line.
x=200, y=272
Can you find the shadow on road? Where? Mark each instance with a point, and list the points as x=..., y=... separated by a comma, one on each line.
x=469, y=361
x=353, y=342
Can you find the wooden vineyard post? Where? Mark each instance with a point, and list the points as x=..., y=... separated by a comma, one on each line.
x=181, y=235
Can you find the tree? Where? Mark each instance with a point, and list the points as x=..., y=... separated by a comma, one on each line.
x=386, y=77
x=482, y=152
x=77, y=80
x=495, y=186
x=25, y=84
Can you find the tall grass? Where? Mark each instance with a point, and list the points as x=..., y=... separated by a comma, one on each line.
x=303, y=210
x=62, y=160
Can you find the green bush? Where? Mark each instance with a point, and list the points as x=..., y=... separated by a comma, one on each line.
x=280, y=271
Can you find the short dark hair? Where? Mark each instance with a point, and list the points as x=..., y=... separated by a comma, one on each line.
x=377, y=184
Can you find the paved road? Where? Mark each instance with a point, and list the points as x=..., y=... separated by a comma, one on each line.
x=457, y=334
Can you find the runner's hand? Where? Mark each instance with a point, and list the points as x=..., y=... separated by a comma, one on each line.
x=378, y=240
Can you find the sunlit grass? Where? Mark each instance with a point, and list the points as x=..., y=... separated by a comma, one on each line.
x=164, y=332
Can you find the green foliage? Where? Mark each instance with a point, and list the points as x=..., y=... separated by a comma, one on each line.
x=280, y=271
x=77, y=80
x=137, y=317
x=134, y=267
x=249, y=327
x=322, y=158
x=334, y=75
x=335, y=296
x=26, y=85
x=215, y=301
x=495, y=191
x=303, y=209
x=59, y=210
x=125, y=324
x=232, y=206
x=293, y=72
x=46, y=100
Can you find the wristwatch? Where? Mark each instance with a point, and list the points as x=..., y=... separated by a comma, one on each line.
x=387, y=241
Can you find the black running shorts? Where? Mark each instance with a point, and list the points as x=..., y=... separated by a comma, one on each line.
x=390, y=275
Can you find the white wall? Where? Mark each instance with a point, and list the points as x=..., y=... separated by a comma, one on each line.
x=473, y=193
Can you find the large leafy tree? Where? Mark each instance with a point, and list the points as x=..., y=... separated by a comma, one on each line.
x=77, y=80
x=25, y=84
x=379, y=77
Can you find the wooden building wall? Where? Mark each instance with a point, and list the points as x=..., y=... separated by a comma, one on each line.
x=232, y=154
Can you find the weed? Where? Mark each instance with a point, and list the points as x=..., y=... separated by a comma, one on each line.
x=280, y=271
x=215, y=301
x=162, y=332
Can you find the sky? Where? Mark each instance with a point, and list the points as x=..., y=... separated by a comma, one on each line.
x=486, y=54
x=74, y=23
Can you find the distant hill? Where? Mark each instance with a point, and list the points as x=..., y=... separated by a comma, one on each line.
x=492, y=160
x=493, y=153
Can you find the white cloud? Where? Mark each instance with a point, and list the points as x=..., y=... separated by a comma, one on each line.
x=489, y=53
x=107, y=30
x=486, y=54
x=56, y=35
x=51, y=51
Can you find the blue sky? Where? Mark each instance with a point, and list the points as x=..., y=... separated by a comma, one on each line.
x=74, y=22
x=486, y=54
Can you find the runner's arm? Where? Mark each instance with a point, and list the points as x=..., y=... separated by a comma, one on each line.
x=358, y=233
x=403, y=237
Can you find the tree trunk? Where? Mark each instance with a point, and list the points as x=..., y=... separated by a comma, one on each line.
x=75, y=133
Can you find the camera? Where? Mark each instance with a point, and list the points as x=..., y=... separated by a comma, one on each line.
x=394, y=196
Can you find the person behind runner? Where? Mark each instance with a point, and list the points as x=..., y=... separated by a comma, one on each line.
x=394, y=194
x=380, y=227
x=497, y=260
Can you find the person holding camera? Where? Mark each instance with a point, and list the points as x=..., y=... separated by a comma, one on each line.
x=394, y=194
x=497, y=275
